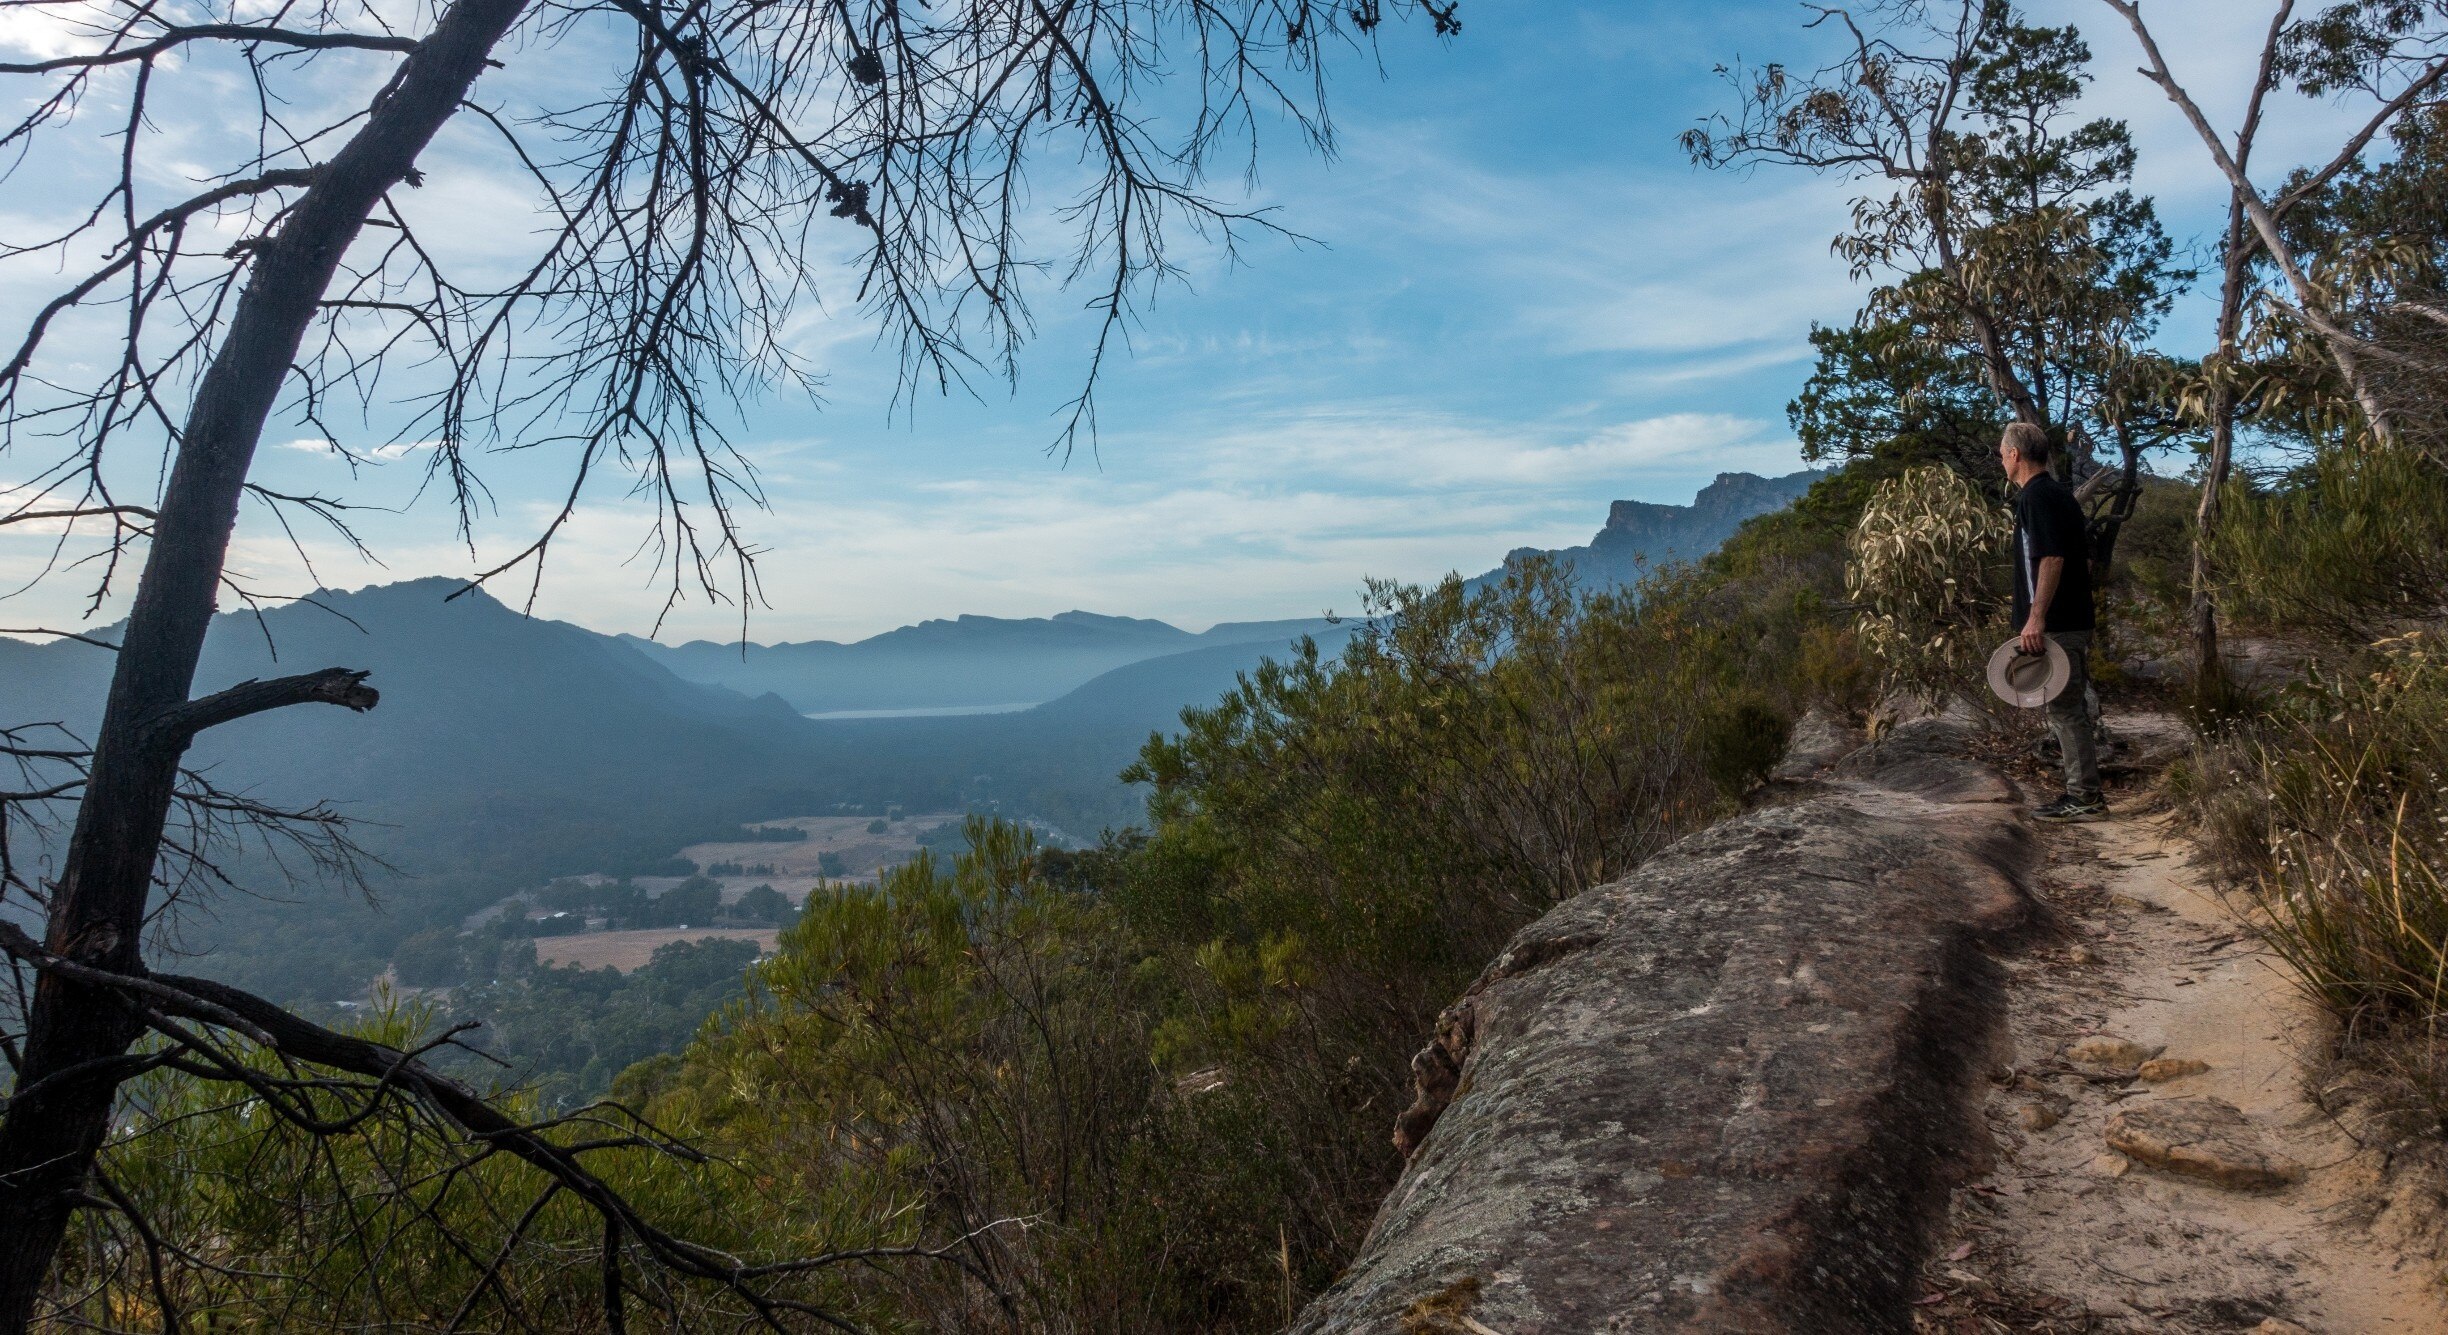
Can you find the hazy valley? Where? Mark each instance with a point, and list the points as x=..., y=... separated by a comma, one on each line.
x=1994, y=879
x=510, y=753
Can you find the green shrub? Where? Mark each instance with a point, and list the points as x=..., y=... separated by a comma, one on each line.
x=960, y=1052
x=1920, y=573
x=2351, y=549
x=1741, y=741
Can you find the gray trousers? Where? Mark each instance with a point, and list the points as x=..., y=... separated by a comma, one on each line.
x=2074, y=715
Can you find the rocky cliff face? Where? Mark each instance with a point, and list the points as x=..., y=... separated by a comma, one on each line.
x=1696, y=529
x=1640, y=535
x=1726, y=1093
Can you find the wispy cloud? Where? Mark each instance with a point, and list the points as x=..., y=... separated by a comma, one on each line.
x=389, y=452
x=1702, y=368
x=1283, y=517
x=1592, y=258
x=1390, y=449
x=1526, y=305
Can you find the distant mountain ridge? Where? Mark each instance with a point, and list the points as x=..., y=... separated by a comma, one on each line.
x=1702, y=526
x=506, y=749
x=967, y=660
x=471, y=686
x=1640, y=536
x=978, y=661
x=487, y=712
x=509, y=749
x=478, y=701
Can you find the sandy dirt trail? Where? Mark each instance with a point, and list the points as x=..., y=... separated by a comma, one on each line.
x=2066, y=1234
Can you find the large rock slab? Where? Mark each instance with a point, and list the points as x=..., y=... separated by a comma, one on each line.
x=1726, y=1093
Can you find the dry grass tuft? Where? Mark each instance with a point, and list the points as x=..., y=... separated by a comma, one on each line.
x=2331, y=812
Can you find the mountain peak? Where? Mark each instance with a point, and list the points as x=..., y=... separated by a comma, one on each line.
x=1729, y=500
x=1696, y=529
x=1641, y=535
x=1076, y=617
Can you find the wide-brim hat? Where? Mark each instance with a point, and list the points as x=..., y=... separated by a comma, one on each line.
x=2029, y=680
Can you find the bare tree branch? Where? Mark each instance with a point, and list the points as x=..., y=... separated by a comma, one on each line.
x=179, y=35
x=732, y=165
x=330, y=686
x=63, y=634
x=2256, y=208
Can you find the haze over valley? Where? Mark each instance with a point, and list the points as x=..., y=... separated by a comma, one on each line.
x=1224, y=667
x=511, y=751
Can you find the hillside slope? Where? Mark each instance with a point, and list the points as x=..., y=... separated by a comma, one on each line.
x=505, y=750
x=508, y=750
x=478, y=704
x=962, y=661
x=1059, y=760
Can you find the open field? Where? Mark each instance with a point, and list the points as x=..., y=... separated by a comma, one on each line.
x=633, y=949
x=794, y=868
x=794, y=864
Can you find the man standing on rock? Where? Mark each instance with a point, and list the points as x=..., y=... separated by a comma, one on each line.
x=2052, y=601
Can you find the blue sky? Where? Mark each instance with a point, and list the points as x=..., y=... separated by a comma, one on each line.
x=1519, y=303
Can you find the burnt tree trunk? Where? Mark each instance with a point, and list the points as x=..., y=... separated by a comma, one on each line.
x=75, y=1033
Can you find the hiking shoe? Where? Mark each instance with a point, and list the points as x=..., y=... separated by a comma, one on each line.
x=2074, y=806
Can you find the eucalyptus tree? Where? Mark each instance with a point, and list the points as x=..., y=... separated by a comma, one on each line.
x=2379, y=235
x=2016, y=274
x=2376, y=234
x=2390, y=57
x=697, y=175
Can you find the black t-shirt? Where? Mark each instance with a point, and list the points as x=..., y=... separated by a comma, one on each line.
x=2049, y=522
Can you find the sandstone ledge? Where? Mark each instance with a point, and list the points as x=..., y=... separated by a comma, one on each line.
x=1725, y=1093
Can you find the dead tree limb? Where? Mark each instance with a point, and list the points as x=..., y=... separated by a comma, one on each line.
x=2260, y=212
x=48, y=1143
x=685, y=205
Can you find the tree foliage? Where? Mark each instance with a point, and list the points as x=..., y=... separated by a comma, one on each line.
x=957, y=1058
x=2017, y=275
x=1878, y=390
x=1923, y=554
x=2376, y=246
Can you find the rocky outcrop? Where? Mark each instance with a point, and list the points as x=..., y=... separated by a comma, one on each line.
x=1819, y=739
x=1641, y=536
x=1663, y=532
x=1725, y=1093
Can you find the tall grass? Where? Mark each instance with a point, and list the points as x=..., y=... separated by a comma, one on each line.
x=2331, y=810
x=2362, y=915
x=2348, y=551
